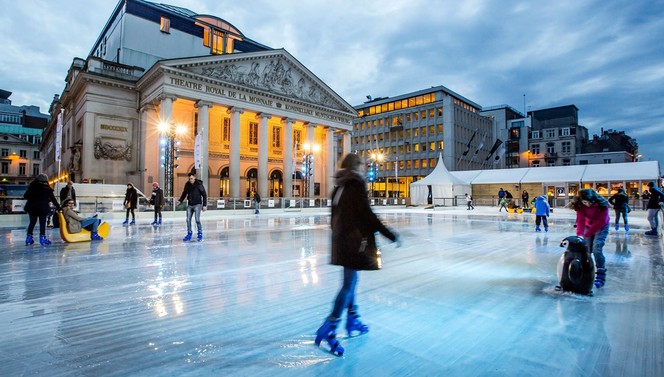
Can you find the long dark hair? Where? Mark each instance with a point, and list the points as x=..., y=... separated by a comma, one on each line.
x=590, y=195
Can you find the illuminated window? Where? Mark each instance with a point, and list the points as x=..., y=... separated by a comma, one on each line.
x=276, y=137
x=423, y=131
x=440, y=129
x=297, y=139
x=432, y=146
x=165, y=25
x=253, y=133
x=440, y=111
x=226, y=129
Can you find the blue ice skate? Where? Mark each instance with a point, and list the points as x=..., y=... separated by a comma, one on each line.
x=329, y=332
x=354, y=326
x=187, y=237
x=29, y=240
x=199, y=237
x=600, y=277
x=44, y=241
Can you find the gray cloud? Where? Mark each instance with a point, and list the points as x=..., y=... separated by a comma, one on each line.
x=604, y=57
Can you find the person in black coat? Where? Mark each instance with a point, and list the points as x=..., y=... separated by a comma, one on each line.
x=620, y=203
x=656, y=197
x=130, y=203
x=68, y=192
x=353, y=246
x=157, y=200
x=194, y=192
x=38, y=196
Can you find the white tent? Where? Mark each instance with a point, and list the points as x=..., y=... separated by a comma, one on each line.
x=443, y=185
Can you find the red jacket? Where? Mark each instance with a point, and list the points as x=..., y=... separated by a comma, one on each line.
x=590, y=220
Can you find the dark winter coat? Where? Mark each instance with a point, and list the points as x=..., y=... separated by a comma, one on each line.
x=353, y=222
x=67, y=192
x=620, y=202
x=195, y=193
x=157, y=198
x=131, y=197
x=656, y=196
x=38, y=196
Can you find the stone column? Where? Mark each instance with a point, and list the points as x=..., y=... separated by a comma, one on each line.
x=263, y=142
x=234, y=152
x=346, y=144
x=148, y=163
x=331, y=157
x=310, y=140
x=204, y=131
x=166, y=117
x=288, y=157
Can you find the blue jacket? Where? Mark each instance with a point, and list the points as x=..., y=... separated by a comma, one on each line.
x=542, y=206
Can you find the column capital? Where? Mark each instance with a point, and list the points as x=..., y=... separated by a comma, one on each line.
x=288, y=120
x=263, y=116
x=235, y=109
x=162, y=97
x=199, y=104
x=148, y=107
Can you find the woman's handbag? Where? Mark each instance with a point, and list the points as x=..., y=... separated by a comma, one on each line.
x=128, y=205
x=371, y=256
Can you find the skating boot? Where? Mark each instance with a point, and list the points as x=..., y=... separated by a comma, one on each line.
x=187, y=237
x=125, y=222
x=329, y=332
x=537, y=229
x=200, y=236
x=159, y=223
x=44, y=241
x=133, y=222
x=155, y=223
x=652, y=232
x=353, y=324
x=600, y=277
x=546, y=229
x=626, y=228
x=617, y=227
x=94, y=236
x=29, y=240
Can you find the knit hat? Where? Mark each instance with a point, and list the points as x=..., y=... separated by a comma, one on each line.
x=42, y=178
x=155, y=185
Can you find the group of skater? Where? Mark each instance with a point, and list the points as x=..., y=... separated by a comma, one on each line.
x=41, y=205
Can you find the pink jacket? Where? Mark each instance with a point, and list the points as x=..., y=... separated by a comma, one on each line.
x=590, y=220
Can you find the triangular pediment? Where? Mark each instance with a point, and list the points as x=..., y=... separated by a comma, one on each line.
x=274, y=71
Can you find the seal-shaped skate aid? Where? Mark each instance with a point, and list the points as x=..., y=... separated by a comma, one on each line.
x=576, y=271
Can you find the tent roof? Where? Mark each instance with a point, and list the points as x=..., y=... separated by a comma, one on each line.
x=629, y=171
x=440, y=175
x=572, y=173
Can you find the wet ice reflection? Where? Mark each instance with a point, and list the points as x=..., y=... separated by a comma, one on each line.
x=466, y=295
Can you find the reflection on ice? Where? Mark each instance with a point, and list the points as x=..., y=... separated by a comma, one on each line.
x=469, y=295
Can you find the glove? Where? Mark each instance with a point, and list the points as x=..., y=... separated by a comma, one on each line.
x=398, y=242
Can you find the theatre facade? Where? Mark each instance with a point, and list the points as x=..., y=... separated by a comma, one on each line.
x=257, y=121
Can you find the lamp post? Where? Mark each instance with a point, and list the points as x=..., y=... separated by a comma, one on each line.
x=375, y=160
x=170, y=149
x=308, y=165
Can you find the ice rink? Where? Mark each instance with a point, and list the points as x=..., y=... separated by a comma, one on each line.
x=470, y=293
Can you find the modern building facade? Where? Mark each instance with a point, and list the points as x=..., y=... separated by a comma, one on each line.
x=21, y=129
x=556, y=138
x=166, y=91
x=401, y=137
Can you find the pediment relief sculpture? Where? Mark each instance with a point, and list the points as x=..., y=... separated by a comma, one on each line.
x=276, y=76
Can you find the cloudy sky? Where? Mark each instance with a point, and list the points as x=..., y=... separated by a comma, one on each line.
x=605, y=57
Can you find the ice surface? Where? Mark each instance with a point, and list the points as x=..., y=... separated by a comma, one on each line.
x=469, y=294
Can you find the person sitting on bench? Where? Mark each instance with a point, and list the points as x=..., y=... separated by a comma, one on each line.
x=75, y=222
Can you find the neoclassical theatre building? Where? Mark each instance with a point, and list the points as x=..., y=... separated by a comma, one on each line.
x=165, y=92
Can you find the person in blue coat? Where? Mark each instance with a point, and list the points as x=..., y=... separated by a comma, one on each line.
x=542, y=211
